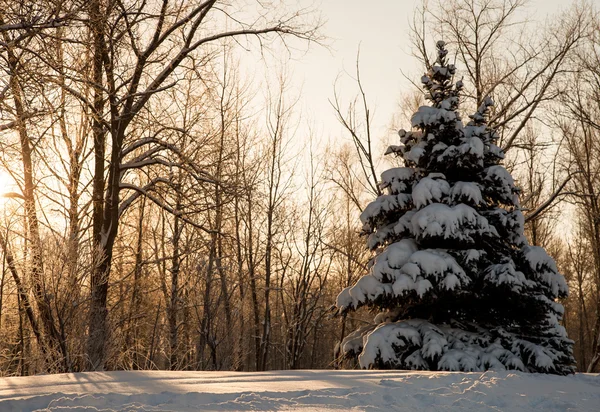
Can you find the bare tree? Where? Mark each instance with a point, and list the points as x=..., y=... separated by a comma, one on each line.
x=580, y=128
x=117, y=31
x=22, y=88
x=357, y=121
x=305, y=287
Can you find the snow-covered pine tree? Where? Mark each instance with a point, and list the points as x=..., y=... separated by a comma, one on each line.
x=454, y=281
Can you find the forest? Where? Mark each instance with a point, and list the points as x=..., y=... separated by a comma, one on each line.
x=162, y=209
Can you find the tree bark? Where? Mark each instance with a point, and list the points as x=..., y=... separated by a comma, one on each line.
x=99, y=278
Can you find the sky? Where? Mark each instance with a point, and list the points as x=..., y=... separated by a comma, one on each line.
x=381, y=29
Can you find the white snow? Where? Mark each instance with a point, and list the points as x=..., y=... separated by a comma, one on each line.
x=500, y=173
x=495, y=150
x=444, y=71
x=472, y=146
x=459, y=222
x=380, y=343
x=457, y=359
x=512, y=220
x=353, y=343
x=544, y=357
x=406, y=283
x=426, y=268
x=449, y=102
x=415, y=153
x=394, y=148
x=393, y=258
x=382, y=234
x=472, y=255
x=498, y=178
x=540, y=262
x=505, y=273
x=473, y=130
x=397, y=179
x=466, y=190
x=429, y=190
x=384, y=204
x=307, y=390
x=367, y=287
x=344, y=300
x=442, y=347
x=427, y=116
x=401, y=268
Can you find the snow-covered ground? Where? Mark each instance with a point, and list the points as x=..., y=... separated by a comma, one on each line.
x=325, y=390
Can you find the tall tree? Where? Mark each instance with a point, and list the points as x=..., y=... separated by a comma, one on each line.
x=457, y=284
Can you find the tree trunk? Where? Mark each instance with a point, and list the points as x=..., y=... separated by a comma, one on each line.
x=174, y=298
x=253, y=284
x=99, y=277
x=56, y=346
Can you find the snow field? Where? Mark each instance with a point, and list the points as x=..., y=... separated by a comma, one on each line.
x=325, y=390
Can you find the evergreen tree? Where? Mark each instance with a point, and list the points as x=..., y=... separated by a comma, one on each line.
x=454, y=281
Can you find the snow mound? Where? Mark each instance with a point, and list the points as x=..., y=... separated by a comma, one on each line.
x=326, y=390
